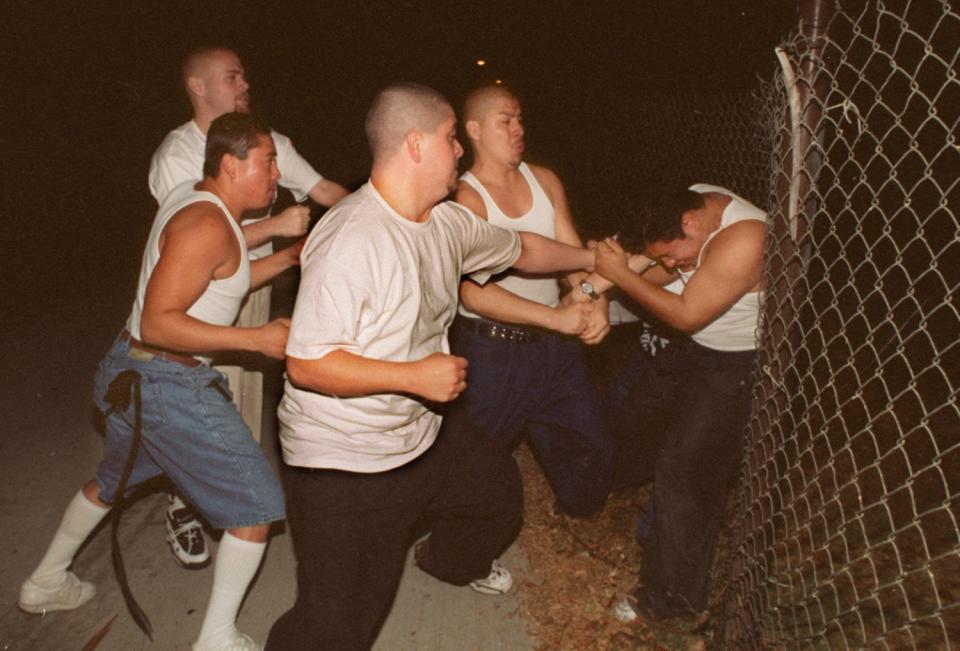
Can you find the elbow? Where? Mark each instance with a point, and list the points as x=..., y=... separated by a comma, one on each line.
x=297, y=372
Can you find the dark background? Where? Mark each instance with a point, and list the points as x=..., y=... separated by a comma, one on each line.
x=91, y=88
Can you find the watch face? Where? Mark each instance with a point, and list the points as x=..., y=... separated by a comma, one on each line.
x=586, y=287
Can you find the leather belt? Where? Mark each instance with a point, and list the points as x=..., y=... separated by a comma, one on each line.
x=179, y=358
x=499, y=331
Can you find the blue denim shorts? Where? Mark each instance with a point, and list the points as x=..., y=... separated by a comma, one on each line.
x=193, y=434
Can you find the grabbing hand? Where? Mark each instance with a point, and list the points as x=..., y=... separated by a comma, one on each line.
x=611, y=259
x=440, y=377
x=598, y=322
x=293, y=251
x=292, y=222
x=570, y=318
x=272, y=338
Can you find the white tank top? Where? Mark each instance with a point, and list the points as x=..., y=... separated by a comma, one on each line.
x=735, y=329
x=540, y=219
x=220, y=303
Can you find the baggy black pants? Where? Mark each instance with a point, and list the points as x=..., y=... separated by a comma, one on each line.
x=351, y=533
x=691, y=410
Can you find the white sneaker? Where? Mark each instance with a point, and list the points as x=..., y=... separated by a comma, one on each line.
x=497, y=582
x=185, y=535
x=236, y=642
x=70, y=594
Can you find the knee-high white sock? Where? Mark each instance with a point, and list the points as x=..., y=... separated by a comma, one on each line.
x=237, y=562
x=81, y=517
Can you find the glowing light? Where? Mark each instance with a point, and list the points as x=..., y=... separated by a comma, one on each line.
x=481, y=62
x=499, y=81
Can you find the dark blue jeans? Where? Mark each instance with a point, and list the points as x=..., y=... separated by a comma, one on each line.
x=542, y=388
x=688, y=414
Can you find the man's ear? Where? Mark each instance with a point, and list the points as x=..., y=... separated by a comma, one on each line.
x=414, y=142
x=196, y=86
x=473, y=129
x=689, y=223
x=228, y=166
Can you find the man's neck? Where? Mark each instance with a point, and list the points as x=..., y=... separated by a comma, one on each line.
x=402, y=195
x=491, y=171
x=212, y=186
x=202, y=119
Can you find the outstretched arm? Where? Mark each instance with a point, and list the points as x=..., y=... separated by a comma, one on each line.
x=495, y=302
x=731, y=267
x=327, y=192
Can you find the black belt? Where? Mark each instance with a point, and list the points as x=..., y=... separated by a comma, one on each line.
x=501, y=332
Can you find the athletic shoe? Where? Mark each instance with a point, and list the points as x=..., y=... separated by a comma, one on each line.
x=70, y=594
x=185, y=536
x=237, y=642
x=497, y=582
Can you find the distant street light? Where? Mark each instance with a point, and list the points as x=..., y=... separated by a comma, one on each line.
x=481, y=62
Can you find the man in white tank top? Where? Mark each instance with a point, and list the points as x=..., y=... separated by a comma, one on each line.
x=691, y=404
x=194, y=275
x=526, y=376
x=215, y=83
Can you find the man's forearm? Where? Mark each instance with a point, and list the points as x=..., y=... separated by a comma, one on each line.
x=258, y=232
x=264, y=269
x=176, y=331
x=494, y=302
x=327, y=192
x=543, y=255
x=344, y=374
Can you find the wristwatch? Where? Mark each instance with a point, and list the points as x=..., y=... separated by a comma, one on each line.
x=587, y=288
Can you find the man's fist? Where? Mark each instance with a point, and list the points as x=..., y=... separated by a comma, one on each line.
x=440, y=377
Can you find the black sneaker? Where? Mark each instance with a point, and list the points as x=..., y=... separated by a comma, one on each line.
x=185, y=535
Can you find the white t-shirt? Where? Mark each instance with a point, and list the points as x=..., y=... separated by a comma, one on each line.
x=179, y=159
x=378, y=285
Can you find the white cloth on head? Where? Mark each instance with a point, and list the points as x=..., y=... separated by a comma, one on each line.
x=381, y=286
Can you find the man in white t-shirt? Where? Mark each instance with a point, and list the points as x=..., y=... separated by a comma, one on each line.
x=369, y=373
x=215, y=84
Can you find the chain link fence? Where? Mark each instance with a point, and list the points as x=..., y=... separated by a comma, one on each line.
x=846, y=525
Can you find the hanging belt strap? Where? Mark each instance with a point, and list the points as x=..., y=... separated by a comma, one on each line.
x=118, y=396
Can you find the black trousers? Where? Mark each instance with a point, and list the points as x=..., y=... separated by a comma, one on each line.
x=351, y=533
x=687, y=418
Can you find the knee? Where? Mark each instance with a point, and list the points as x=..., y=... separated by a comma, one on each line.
x=255, y=534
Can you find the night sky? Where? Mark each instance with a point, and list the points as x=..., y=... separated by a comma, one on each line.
x=91, y=88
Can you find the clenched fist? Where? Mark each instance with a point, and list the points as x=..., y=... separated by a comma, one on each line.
x=440, y=377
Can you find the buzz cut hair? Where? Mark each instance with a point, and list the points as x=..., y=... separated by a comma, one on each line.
x=196, y=59
x=400, y=108
x=478, y=100
x=231, y=133
x=664, y=222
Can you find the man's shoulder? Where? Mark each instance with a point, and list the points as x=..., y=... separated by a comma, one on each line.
x=183, y=142
x=547, y=178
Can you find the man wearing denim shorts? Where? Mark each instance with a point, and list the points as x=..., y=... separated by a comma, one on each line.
x=194, y=275
x=215, y=83
x=368, y=446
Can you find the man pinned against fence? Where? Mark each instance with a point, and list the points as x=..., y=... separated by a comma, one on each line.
x=194, y=275
x=693, y=402
x=368, y=445
x=215, y=82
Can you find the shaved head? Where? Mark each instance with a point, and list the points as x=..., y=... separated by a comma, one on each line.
x=399, y=109
x=198, y=61
x=481, y=99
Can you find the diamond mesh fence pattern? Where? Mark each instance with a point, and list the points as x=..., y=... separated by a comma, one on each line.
x=846, y=524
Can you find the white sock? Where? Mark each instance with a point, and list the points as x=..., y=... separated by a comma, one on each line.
x=175, y=501
x=237, y=562
x=81, y=517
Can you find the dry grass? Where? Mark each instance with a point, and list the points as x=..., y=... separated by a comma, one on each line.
x=578, y=569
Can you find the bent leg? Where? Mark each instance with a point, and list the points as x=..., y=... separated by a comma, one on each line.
x=476, y=508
